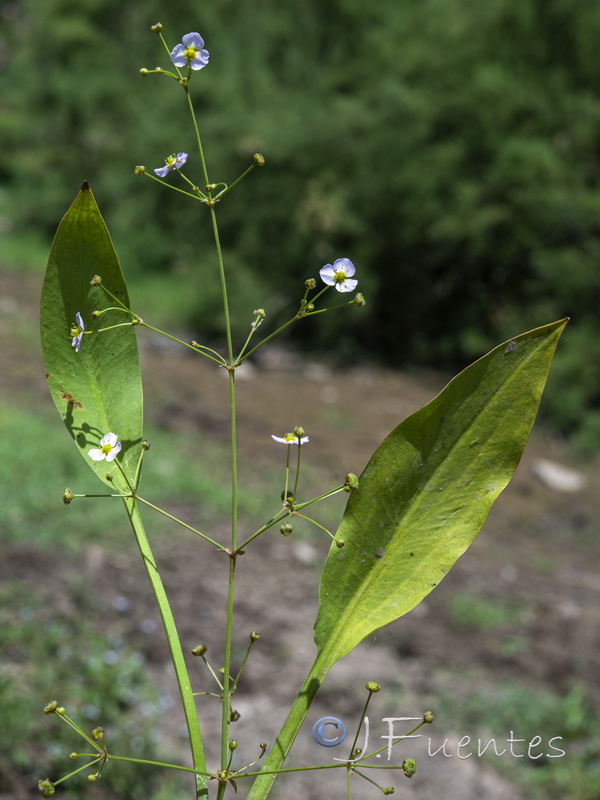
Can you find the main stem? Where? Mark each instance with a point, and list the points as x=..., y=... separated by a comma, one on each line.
x=183, y=681
x=225, y=720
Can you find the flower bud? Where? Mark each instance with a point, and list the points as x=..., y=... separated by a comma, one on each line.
x=351, y=483
x=156, y=28
x=259, y=313
x=61, y=711
x=232, y=744
x=254, y=636
x=373, y=687
x=199, y=650
x=263, y=746
x=299, y=432
x=428, y=716
x=96, y=314
x=310, y=283
x=144, y=72
x=67, y=496
x=145, y=445
x=339, y=543
x=234, y=715
x=98, y=734
x=96, y=280
x=360, y=299
x=409, y=767
x=109, y=476
x=52, y=706
x=259, y=159
x=73, y=756
x=137, y=321
x=93, y=778
x=388, y=790
x=140, y=169
x=285, y=529
x=310, y=307
x=46, y=788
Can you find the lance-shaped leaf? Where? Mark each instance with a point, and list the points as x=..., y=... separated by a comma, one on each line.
x=427, y=490
x=98, y=389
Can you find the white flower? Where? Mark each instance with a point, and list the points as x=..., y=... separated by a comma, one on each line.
x=77, y=332
x=172, y=162
x=190, y=53
x=339, y=275
x=110, y=447
x=290, y=438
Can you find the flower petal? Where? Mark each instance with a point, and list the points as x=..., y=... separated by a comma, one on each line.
x=114, y=452
x=177, y=55
x=344, y=264
x=96, y=455
x=109, y=438
x=327, y=273
x=201, y=60
x=349, y=285
x=162, y=172
x=193, y=40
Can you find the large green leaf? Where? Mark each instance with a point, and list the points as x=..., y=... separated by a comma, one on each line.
x=98, y=389
x=427, y=490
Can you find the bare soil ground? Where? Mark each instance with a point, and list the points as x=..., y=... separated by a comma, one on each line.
x=539, y=549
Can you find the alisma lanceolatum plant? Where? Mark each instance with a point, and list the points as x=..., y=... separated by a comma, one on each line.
x=418, y=505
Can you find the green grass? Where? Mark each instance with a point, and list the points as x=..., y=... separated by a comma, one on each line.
x=496, y=710
x=479, y=612
x=49, y=653
x=186, y=476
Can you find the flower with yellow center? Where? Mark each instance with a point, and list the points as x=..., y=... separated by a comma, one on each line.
x=109, y=449
x=190, y=52
x=339, y=275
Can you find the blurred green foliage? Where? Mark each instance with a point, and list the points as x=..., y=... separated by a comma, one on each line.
x=448, y=147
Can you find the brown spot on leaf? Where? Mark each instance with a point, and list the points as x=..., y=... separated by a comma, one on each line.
x=71, y=400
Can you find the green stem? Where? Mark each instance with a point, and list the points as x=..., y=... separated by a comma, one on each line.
x=198, y=139
x=180, y=522
x=183, y=681
x=287, y=735
x=295, y=489
x=79, y=769
x=236, y=181
x=157, y=764
x=267, y=339
x=218, y=360
x=281, y=515
x=225, y=721
x=200, y=197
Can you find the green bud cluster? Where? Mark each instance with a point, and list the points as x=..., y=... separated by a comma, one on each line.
x=409, y=767
x=46, y=788
x=351, y=483
x=373, y=687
